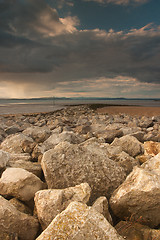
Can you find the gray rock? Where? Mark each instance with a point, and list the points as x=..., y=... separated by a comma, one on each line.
x=13, y=129
x=39, y=134
x=79, y=222
x=77, y=164
x=20, y=184
x=129, y=145
x=138, y=197
x=51, y=202
x=16, y=224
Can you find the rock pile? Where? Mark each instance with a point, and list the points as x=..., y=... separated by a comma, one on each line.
x=77, y=174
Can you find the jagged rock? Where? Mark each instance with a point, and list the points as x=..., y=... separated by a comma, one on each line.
x=129, y=145
x=138, y=196
x=77, y=164
x=20, y=184
x=8, y=236
x=51, y=202
x=151, y=148
x=145, y=122
x=80, y=222
x=20, y=206
x=101, y=206
x=32, y=167
x=16, y=224
x=4, y=158
x=135, y=231
x=18, y=143
x=139, y=135
x=39, y=134
x=125, y=160
x=84, y=129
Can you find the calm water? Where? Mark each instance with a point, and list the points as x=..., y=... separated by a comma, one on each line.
x=13, y=106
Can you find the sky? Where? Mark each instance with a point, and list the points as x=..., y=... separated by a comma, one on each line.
x=80, y=48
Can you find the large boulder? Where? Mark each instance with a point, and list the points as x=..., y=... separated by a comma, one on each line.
x=138, y=197
x=129, y=144
x=80, y=222
x=51, y=202
x=18, y=143
x=16, y=224
x=39, y=134
x=69, y=164
x=20, y=184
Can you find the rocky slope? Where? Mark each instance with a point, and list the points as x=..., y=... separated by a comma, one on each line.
x=79, y=174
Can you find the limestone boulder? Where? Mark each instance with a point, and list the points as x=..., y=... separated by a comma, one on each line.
x=13, y=129
x=18, y=143
x=20, y=184
x=138, y=196
x=110, y=135
x=69, y=164
x=20, y=156
x=101, y=206
x=129, y=145
x=79, y=222
x=51, y=202
x=4, y=158
x=39, y=134
x=15, y=224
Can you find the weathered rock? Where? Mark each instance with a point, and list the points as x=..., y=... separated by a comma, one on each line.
x=110, y=135
x=139, y=135
x=80, y=222
x=138, y=196
x=101, y=206
x=20, y=206
x=129, y=145
x=18, y=143
x=56, y=138
x=77, y=164
x=20, y=184
x=39, y=134
x=151, y=148
x=145, y=122
x=51, y=202
x=20, y=156
x=4, y=158
x=135, y=231
x=8, y=236
x=16, y=224
x=125, y=160
x=83, y=129
x=32, y=167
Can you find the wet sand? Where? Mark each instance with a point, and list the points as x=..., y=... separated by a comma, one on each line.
x=130, y=110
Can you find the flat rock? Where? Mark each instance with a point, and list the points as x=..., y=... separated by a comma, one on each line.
x=51, y=202
x=20, y=184
x=79, y=222
x=16, y=224
x=129, y=145
x=18, y=143
x=77, y=164
x=138, y=196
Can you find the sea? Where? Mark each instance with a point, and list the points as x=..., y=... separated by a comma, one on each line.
x=35, y=105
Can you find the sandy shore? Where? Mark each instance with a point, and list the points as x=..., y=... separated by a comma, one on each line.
x=131, y=110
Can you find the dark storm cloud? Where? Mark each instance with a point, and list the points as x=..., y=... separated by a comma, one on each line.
x=34, y=39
